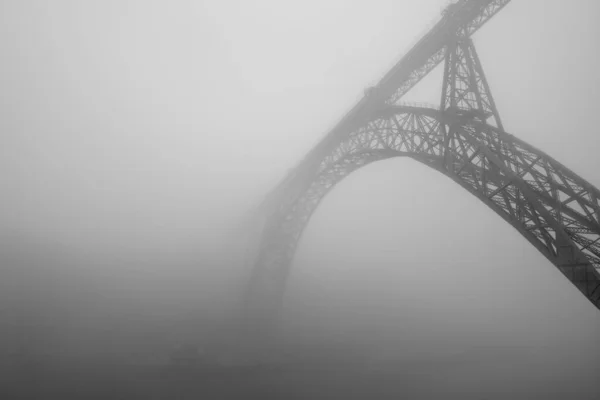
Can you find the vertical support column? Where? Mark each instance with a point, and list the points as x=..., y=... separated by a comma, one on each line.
x=465, y=88
x=465, y=91
x=447, y=100
x=465, y=46
x=486, y=88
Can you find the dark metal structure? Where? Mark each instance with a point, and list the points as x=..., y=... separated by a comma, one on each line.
x=556, y=210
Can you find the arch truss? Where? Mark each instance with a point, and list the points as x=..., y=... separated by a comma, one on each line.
x=556, y=210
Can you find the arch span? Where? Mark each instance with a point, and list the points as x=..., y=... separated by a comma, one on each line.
x=557, y=211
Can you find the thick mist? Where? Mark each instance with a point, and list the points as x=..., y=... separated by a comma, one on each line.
x=139, y=136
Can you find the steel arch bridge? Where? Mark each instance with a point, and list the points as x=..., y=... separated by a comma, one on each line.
x=556, y=210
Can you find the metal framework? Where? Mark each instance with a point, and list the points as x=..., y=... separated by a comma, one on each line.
x=557, y=211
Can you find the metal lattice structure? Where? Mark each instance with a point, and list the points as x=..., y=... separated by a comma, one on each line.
x=557, y=211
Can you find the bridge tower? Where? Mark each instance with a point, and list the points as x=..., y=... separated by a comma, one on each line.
x=553, y=208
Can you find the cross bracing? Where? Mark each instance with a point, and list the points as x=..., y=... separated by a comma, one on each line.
x=556, y=210
x=553, y=208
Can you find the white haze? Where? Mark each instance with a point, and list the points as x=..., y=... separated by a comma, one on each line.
x=138, y=135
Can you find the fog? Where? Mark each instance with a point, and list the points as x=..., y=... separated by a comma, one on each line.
x=138, y=137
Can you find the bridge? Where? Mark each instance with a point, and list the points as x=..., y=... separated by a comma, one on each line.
x=554, y=209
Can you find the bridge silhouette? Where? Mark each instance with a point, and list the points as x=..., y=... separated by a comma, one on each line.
x=463, y=137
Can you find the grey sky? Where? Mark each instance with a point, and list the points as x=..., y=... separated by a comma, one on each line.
x=134, y=119
x=154, y=124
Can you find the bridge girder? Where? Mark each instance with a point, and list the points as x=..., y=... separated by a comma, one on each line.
x=553, y=208
x=556, y=210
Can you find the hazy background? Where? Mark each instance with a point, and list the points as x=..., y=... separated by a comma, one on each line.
x=137, y=135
